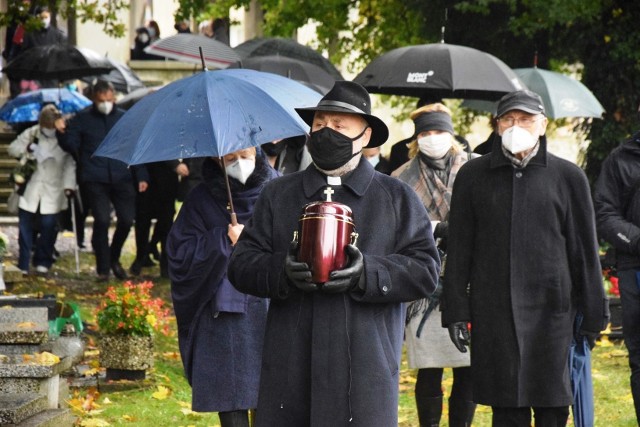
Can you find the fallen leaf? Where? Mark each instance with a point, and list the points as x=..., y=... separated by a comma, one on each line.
x=128, y=417
x=106, y=401
x=46, y=358
x=94, y=422
x=26, y=325
x=162, y=393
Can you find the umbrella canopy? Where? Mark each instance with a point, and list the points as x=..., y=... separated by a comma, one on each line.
x=185, y=47
x=264, y=46
x=123, y=78
x=27, y=106
x=212, y=113
x=134, y=96
x=304, y=72
x=57, y=62
x=439, y=70
x=561, y=95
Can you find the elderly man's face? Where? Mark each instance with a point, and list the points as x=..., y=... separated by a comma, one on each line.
x=535, y=124
x=350, y=125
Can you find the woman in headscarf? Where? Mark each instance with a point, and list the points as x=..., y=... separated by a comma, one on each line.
x=220, y=330
x=45, y=194
x=436, y=157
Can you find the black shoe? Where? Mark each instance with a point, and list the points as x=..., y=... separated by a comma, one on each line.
x=118, y=271
x=135, y=269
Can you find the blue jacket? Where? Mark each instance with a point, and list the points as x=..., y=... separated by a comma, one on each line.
x=84, y=134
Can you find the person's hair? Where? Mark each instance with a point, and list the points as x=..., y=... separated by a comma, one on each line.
x=48, y=116
x=102, y=86
x=414, y=149
x=153, y=24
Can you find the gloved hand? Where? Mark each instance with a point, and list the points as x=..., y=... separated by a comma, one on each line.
x=298, y=272
x=348, y=278
x=459, y=334
x=590, y=337
x=69, y=192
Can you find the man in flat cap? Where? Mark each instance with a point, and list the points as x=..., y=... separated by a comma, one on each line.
x=522, y=262
x=332, y=350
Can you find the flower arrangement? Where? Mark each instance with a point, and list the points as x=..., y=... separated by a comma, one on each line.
x=610, y=282
x=21, y=174
x=129, y=309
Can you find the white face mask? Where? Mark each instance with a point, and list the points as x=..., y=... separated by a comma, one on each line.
x=105, y=107
x=143, y=38
x=46, y=22
x=436, y=145
x=516, y=139
x=49, y=133
x=241, y=169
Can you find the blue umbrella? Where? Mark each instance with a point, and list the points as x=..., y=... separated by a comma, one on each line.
x=212, y=113
x=26, y=107
x=581, y=381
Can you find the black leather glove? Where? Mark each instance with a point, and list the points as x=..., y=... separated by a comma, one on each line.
x=459, y=334
x=298, y=272
x=590, y=337
x=349, y=277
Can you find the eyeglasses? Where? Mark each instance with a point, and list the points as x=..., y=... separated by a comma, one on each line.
x=524, y=121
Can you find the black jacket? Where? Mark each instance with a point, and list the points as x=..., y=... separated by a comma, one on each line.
x=617, y=202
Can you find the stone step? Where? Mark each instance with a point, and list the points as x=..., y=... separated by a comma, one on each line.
x=50, y=418
x=8, y=163
x=15, y=408
x=23, y=325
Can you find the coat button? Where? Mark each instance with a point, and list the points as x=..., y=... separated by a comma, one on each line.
x=518, y=174
x=385, y=289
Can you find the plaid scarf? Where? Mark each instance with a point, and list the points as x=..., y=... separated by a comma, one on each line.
x=432, y=191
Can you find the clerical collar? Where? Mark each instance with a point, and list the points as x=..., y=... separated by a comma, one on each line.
x=334, y=180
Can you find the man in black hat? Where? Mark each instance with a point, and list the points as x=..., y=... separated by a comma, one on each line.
x=332, y=350
x=522, y=262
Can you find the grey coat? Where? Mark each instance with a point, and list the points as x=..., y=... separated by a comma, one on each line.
x=331, y=358
x=523, y=258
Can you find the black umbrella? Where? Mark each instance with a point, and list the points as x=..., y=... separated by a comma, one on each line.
x=439, y=70
x=263, y=46
x=123, y=78
x=57, y=62
x=303, y=72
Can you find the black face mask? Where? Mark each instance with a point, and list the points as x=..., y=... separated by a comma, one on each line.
x=272, y=150
x=330, y=149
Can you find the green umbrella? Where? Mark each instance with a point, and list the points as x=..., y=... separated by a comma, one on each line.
x=562, y=96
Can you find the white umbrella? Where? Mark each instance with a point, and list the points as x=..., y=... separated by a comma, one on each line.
x=185, y=47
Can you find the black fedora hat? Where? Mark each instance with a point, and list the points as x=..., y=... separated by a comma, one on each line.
x=349, y=97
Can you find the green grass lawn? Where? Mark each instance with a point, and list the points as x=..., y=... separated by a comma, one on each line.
x=164, y=398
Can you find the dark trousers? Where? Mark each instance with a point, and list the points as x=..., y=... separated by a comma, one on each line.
x=44, y=243
x=630, y=300
x=521, y=417
x=148, y=206
x=102, y=196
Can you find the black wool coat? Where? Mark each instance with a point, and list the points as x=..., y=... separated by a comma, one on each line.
x=332, y=358
x=522, y=259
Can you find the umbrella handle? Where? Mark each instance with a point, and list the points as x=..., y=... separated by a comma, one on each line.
x=234, y=219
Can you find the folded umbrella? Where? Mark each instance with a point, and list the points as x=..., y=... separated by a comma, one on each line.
x=581, y=381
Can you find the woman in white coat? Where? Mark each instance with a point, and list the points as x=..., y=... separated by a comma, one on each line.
x=46, y=191
x=436, y=158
